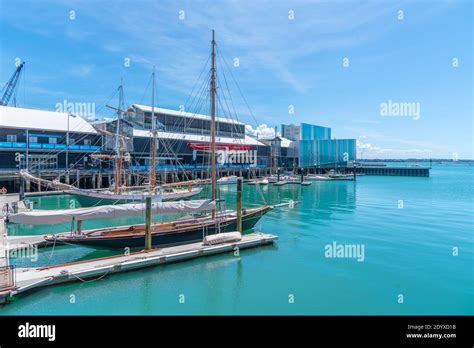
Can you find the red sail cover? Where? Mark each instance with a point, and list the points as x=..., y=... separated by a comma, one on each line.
x=219, y=147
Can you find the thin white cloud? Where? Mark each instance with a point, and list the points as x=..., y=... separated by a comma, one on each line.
x=262, y=131
x=81, y=70
x=370, y=151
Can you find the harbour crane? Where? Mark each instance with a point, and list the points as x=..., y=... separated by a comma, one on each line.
x=10, y=87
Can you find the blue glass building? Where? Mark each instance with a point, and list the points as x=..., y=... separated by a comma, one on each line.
x=316, y=148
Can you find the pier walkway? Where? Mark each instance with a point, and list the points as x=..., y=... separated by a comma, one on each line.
x=30, y=278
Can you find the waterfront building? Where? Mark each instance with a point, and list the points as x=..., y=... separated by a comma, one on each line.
x=45, y=140
x=175, y=121
x=108, y=129
x=38, y=140
x=315, y=147
x=281, y=152
x=183, y=139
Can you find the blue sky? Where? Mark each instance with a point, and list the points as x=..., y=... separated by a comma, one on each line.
x=283, y=62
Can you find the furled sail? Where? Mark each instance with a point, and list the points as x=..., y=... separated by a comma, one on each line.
x=48, y=183
x=47, y=217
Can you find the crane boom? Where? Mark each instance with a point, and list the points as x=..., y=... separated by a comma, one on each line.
x=10, y=86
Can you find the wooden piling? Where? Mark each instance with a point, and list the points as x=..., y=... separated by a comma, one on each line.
x=239, y=204
x=148, y=224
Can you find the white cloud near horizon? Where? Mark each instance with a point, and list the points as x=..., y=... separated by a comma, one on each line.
x=370, y=151
x=262, y=131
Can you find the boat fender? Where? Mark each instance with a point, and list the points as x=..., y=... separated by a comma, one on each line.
x=220, y=238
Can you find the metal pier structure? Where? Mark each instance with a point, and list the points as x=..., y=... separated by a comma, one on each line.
x=373, y=169
x=394, y=171
x=20, y=280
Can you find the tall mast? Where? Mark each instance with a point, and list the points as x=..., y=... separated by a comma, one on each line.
x=213, y=123
x=153, y=130
x=118, y=153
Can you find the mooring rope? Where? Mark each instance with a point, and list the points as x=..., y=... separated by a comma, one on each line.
x=91, y=280
x=52, y=250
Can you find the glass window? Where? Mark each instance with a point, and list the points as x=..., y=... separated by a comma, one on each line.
x=41, y=161
x=11, y=138
x=87, y=141
x=53, y=140
x=33, y=139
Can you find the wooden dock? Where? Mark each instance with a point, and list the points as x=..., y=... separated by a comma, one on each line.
x=30, y=278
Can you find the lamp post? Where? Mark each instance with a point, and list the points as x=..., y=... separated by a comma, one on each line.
x=67, y=144
x=67, y=140
x=27, y=150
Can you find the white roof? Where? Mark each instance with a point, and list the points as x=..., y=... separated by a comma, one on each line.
x=199, y=138
x=185, y=114
x=285, y=142
x=11, y=117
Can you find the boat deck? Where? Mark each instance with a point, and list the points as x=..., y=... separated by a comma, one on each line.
x=31, y=278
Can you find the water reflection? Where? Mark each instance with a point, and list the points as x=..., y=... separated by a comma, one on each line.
x=321, y=201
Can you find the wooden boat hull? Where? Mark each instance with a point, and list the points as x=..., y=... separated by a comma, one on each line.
x=328, y=178
x=165, y=238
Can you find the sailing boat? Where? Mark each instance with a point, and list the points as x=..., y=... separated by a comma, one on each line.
x=180, y=231
x=184, y=230
x=120, y=194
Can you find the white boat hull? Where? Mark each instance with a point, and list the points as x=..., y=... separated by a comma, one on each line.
x=328, y=178
x=164, y=196
x=227, y=180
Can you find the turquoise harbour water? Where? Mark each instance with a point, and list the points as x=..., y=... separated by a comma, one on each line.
x=407, y=251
